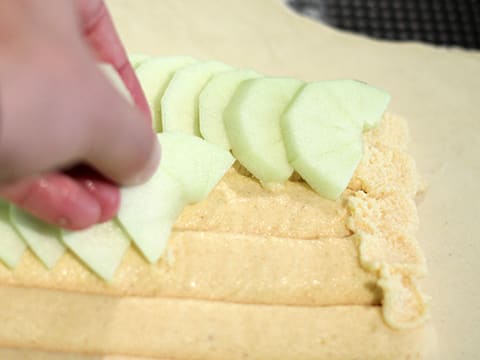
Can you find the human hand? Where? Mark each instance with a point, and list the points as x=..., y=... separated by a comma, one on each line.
x=57, y=110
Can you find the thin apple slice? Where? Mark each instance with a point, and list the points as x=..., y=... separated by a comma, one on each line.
x=360, y=104
x=329, y=173
x=323, y=146
x=154, y=75
x=149, y=211
x=310, y=137
x=213, y=100
x=197, y=164
x=137, y=59
x=101, y=247
x=42, y=238
x=180, y=100
x=12, y=245
x=252, y=122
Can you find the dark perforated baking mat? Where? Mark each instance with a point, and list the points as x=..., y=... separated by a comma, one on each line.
x=441, y=22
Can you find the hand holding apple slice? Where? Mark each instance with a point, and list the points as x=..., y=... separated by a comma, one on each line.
x=189, y=170
x=252, y=121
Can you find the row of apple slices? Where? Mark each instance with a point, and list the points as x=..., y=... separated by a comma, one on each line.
x=272, y=125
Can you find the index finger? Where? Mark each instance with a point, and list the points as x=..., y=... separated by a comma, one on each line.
x=103, y=39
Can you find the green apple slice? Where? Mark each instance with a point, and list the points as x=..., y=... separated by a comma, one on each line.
x=101, y=247
x=304, y=137
x=360, y=104
x=137, y=59
x=149, y=211
x=329, y=173
x=197, y=164
x=12, y=245
x=154, y=75
x=42, y=238
x=213, y=100
x=324, y=147
x=180, y=100
x=252, y=122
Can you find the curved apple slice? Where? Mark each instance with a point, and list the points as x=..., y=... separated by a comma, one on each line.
x=154, y=75
x=149, y=211
x=195, y=163
x=323, y=146
x=180, y=100
x=344, y=103
x=329, y=173
x=12, y=245
x=213, y=100
x=101, y=247
x=42, y=238
x=252, y=121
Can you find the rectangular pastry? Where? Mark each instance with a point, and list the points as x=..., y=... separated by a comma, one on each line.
x=250, y=273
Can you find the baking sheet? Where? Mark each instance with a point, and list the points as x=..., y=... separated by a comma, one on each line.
x=436, y=89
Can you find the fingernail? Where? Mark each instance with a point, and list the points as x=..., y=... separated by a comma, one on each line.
x=150, y=167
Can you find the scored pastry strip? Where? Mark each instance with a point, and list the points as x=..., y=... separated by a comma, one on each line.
x=192, y=329
x=225, y=267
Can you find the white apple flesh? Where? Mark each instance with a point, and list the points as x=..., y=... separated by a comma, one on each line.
x=195, y=163
x=252, y=121
x=179, y=104
x=43, y=239
x=149, y=211
x=154, y=75
x=101, y=247
x=12, y=245
x=213, y=100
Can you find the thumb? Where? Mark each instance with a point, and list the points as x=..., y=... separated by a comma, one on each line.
x=123, y=146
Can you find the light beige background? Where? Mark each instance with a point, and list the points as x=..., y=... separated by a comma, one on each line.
x=438, y=90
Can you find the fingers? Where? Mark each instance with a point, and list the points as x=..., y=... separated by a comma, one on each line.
x=121, y=146
x=56, y=199
x=120, y=155
x=103, y=190
x=75, y=201
x=102, y=37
